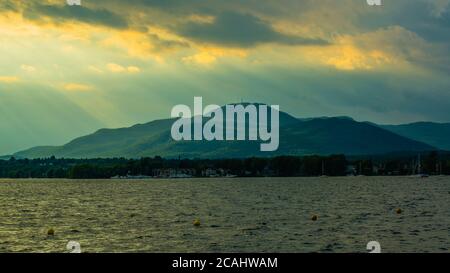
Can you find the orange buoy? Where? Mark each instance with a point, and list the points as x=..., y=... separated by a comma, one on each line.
x=51, y=232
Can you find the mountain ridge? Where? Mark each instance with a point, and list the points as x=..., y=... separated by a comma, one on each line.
x=323, y=136
x=433, y=133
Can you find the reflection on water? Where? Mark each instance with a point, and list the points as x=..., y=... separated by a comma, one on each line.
x=237, y=215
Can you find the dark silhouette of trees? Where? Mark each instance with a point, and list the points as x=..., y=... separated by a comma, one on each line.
x=333, y=165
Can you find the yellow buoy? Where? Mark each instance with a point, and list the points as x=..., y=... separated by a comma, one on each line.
x=314, y=217
x=51, y=232
x=196, y=223
x=399, y=211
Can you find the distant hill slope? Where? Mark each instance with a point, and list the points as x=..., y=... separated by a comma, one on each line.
x=435, y=134
x=297, y=137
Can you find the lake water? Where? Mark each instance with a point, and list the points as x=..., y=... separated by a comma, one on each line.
x=237, y=215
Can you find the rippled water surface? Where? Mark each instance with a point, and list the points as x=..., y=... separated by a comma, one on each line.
x=237, y=215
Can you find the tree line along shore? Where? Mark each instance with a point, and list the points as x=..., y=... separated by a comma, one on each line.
x=431, y=163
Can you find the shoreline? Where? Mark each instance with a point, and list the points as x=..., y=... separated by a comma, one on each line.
x=222, y=178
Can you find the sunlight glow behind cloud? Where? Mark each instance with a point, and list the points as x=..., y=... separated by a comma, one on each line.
x=115, y=63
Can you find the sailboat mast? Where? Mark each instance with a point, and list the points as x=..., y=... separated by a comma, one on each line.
x=419, y=165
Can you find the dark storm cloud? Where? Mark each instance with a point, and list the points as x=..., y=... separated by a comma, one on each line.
x=76, y=13
x=245, y=30
x=230, y=28
x=417, y=16
x=162, y=44
x=423, y=18
x=188, y=6
x=8, y=5
x=435, y=29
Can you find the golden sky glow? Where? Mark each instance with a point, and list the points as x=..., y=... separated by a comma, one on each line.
x=66, y=71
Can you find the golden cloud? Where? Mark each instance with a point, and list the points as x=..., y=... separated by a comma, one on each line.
x=28, y=68
x=384, y=48
x=77, y=87
x=206, y=56
x=9, y=79
x=360, y=51
x=117, y=68
x=133, y=69
x=203, y=19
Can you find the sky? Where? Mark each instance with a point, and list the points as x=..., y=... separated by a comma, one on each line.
x=66, y=71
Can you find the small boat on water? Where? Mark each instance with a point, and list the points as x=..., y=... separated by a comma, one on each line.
x=441, y=174
x=420, y=174
x=360, y=170
x=323, y=175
